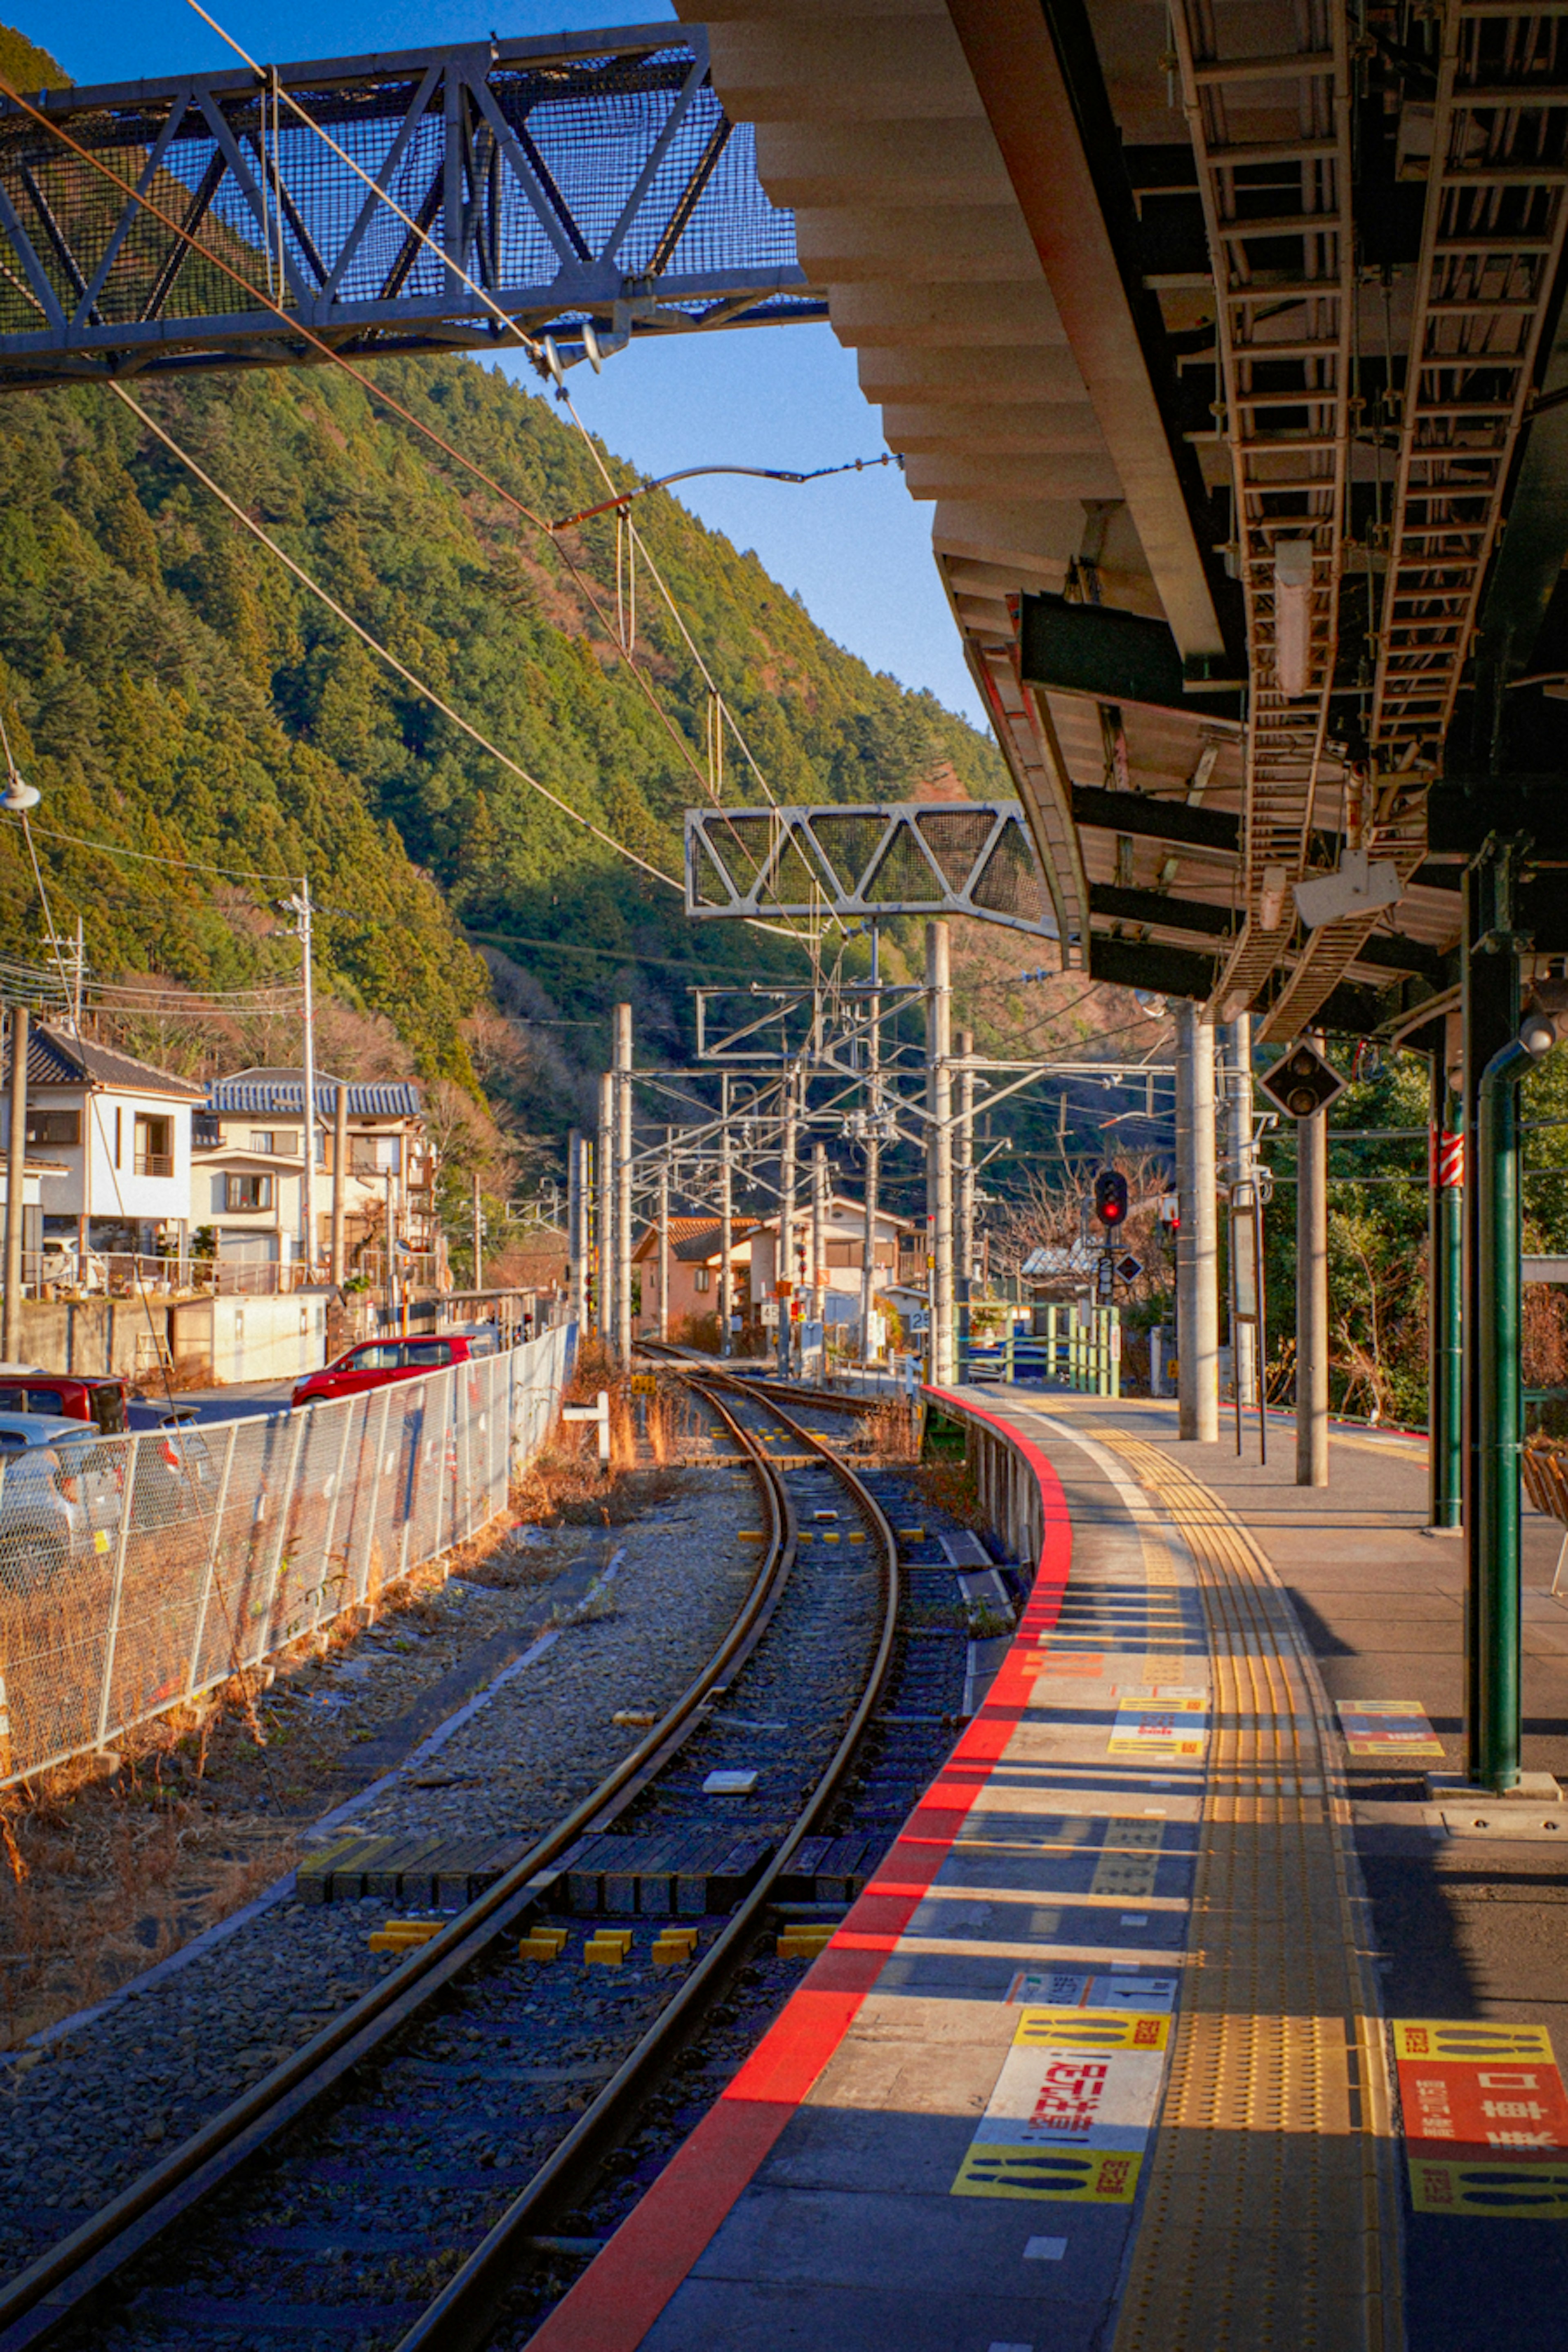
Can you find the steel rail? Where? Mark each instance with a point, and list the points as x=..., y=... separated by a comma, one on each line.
x=50, y=2292
x=41, y=2297
x=762, y=1385
x=462, y=2314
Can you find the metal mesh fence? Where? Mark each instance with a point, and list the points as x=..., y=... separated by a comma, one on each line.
x=136, y=1571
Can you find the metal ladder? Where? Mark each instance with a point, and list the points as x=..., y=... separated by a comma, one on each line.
x=1276, y=202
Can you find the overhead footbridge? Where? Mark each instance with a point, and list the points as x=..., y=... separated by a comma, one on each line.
x=415, y=201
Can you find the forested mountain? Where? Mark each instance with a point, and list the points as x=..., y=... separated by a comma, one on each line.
x=171, y=688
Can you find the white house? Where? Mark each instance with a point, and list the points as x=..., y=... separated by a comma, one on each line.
x=119, y=1131
x=249, y=1166
x=896, y=1245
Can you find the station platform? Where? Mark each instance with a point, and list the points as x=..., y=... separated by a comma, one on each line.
x=1182, y=2016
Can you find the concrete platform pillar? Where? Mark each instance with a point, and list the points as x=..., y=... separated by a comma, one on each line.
x=1197, y=1293
x=1312, y=1300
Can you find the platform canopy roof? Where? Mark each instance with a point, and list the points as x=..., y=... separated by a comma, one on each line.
x=1221, y=342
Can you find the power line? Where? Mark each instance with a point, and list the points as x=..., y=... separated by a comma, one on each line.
x=149, y=858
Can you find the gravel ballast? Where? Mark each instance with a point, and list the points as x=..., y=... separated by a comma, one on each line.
x=642, y=1605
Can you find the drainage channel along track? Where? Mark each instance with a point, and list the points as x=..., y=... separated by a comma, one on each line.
x=386, y=2184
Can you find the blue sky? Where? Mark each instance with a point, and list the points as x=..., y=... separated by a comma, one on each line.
x=858, y=549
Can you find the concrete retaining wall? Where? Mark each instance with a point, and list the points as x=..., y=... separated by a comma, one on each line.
x=214, y=1339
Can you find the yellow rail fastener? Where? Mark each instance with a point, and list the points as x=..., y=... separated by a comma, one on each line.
x=404, y=1934
x=830, y=1536
x=805, y=1943
x=542, y=1943
x=857, y=1535
x=912, y=1534
x=673, y=1947
x=608, y=1949
x=749, y=1535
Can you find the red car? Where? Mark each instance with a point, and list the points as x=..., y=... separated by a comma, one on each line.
x=96, y=1397
x=373, y=1362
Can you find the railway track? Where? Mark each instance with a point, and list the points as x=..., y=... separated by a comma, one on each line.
x=387, y=2183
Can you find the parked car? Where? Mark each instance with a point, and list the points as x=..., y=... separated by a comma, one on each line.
x=175, y=1472
x=375, y=1362
x=59, y=1496
x=98, y=1397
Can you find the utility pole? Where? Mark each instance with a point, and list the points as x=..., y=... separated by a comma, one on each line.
x=340, y=1182
x=873, y=1166
x=965, y=1186
x=819, y=1239
x=578, y=1193
x=623, y=1038
x=939, y=1162
x=478, y=1223
x=70, y=958
x=392, y=1314
x=1312, y=1300
x=15, y=1180
x=726, y=1221
x=1243, y=1171
x=664, y=1239
x=786, y=1223
x=298, y=905
x=604, y=1299
x=1197, y=1298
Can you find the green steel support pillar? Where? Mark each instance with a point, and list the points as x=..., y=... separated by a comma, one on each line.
x=1496, y=1736
x=1446, y=1256
x=1490, y=1016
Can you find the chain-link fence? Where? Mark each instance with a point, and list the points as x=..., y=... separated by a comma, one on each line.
x=137, y=1570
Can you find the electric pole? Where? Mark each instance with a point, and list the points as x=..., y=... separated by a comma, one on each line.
x=298, y=905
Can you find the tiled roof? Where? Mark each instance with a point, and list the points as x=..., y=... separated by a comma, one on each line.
x=284, y=1090
x=694, y=1238
x=705, y=1244
x=55, y=1059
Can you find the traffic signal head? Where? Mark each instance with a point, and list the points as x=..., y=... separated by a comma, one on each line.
x=1302, y=1082
x=1110, y=1197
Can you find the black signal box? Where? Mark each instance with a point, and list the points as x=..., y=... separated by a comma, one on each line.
x=1110, y=1197
x=1302, y=1082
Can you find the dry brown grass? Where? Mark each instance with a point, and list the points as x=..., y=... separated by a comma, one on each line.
x=888, y=1435
x=112, y=1862
x=950, y=1486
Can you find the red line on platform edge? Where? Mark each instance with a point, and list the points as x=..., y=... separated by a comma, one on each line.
x=624, y=2289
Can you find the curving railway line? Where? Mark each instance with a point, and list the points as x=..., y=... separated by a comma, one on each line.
x=391, y=2183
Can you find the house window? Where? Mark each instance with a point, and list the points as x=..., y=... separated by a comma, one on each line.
x=844, y=1252
x=154, y=1145
x=248, y=1193
x=280, y=1140
x=54, y=1127
x=376, y=1155
x=704, y=1278
x=206, y=1134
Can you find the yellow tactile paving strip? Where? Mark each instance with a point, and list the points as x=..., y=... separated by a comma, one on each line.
x=1271, y=2217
